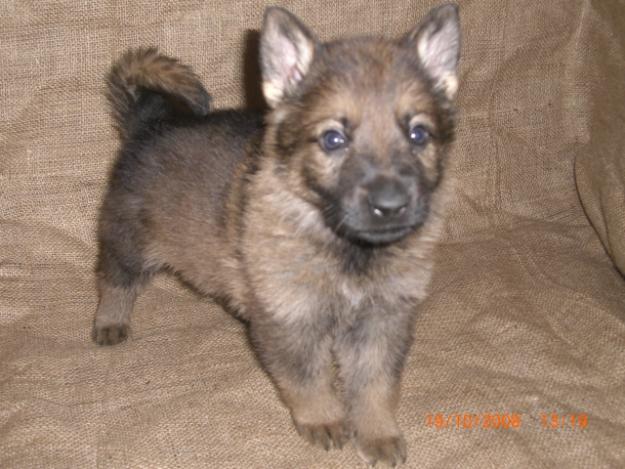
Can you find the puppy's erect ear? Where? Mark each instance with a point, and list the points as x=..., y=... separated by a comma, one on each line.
x=287, y=48
x=437, y=40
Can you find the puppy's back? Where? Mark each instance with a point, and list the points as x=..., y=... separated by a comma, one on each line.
x=168, y=195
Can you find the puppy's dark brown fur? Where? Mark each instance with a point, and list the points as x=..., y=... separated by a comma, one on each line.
x=316, y=225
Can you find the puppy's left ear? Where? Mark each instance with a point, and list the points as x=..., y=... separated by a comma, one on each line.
x=287, y=48
x=437, y=40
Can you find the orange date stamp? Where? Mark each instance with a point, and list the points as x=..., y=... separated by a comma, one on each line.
x=504, y=421
x=469, y=421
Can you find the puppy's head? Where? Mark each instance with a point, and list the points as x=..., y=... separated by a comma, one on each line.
x=360, y=127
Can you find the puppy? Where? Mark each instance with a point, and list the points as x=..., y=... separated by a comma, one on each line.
x=315, y=223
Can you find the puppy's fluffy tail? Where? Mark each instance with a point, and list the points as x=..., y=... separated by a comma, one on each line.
x=145, y=86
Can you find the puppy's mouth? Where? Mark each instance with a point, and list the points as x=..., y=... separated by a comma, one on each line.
x=380, y=236
x=361, y=227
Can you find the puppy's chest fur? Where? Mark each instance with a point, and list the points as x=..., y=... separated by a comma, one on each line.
x=295, y=266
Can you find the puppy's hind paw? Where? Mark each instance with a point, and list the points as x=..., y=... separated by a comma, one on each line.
x=111, y=334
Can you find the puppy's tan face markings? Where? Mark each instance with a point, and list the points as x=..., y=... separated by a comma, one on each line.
x=364, y=147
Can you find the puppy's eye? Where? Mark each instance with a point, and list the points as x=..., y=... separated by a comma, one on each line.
x=332, y=140
x=419, y=135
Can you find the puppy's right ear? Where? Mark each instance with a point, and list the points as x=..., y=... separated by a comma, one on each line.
x=287, y=48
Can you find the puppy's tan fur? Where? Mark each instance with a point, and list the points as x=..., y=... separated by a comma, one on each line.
x=293, y=234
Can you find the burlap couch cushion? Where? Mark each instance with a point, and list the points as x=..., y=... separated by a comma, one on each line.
x=526, y=314
x=600, y=170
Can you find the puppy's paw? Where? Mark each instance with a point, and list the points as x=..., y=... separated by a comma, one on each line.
x=110, y=334
x=390, y=450
x=326, y=435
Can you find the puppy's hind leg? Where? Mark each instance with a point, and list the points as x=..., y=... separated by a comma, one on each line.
x=118, y=285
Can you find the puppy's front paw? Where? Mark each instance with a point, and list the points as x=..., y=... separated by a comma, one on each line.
x=390, y=450
x=111, y=334
x=326, y=435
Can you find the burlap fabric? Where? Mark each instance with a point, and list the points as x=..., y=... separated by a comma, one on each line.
x=600, y=170
x=526, y=315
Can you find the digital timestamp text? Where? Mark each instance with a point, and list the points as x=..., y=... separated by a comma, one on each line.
x=505, y=421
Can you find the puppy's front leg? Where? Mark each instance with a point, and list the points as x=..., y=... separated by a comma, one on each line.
x=371, y=355
x=297, y=355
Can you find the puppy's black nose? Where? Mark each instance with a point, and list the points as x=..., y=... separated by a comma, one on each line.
x=387, y=198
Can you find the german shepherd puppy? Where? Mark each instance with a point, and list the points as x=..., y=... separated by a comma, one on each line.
x=316, y=223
